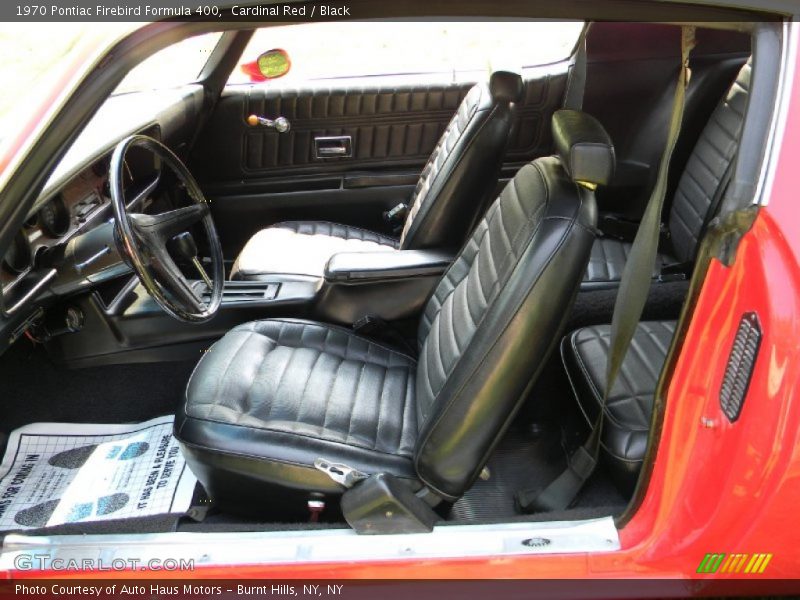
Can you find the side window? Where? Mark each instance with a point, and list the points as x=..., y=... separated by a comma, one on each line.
x=410, y=51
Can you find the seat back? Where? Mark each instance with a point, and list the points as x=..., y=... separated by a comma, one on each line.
x=462, y=172
x=499, y=309
x=709, y=167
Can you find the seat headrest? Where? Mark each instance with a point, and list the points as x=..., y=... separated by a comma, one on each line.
x=505, y=86
x=584, y=147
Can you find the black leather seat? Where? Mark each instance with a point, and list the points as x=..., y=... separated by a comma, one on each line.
x=458, y=179
x=700, y=186
x=273, y=396
x=630, y=405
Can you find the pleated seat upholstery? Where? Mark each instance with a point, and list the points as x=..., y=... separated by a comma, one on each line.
x=629, y=407
x=271, y=397
x=700, y=185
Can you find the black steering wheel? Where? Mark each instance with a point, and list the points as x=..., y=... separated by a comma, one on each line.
x=143, y=239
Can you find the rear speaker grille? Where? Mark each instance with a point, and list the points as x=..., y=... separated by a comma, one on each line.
x=740, y=366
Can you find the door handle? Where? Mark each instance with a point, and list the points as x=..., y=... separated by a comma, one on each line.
x=333, y=147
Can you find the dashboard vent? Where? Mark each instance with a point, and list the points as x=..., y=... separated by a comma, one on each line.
x=739, y=370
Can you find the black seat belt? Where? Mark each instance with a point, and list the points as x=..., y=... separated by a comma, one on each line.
x=576, y=80
x=631, y=298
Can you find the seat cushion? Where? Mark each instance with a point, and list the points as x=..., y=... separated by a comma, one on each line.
x=607, y=262
x=630, y=405
x=303, y=248
x=272, y=396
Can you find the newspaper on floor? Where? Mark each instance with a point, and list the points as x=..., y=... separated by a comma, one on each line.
x=56, y=473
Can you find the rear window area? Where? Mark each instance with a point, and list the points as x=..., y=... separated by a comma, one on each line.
x=462, y=50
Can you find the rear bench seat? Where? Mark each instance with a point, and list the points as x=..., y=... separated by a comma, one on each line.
x=630, y=405
x=695, y=200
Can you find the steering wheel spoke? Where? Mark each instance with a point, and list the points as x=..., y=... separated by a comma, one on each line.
x=144, y=238
x=177, y=285
x=168, y=224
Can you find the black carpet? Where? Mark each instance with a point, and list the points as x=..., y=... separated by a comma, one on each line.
x=533, y=452
x=33, y=389
x=664, y=302
x=530, y=459
x=523, y=459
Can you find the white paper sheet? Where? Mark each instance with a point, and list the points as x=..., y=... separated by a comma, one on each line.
x=55, y=473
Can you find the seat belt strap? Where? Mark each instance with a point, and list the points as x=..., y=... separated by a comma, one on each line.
x=631, y=298
x=576, y=79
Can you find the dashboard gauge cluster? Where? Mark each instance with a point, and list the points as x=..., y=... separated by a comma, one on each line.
x=55, y=221
x=54, y=217
x=82, y=202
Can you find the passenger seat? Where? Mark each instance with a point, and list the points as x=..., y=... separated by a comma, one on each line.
x=696, y=198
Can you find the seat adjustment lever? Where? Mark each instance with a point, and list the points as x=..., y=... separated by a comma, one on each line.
x=341, y=474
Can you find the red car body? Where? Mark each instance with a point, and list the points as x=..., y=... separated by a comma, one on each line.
x=715, y=487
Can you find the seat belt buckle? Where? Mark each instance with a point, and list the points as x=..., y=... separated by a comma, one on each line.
x=397, y=214
x=340, y=473
x=675, y=272
x=369, y=324
x=396, y=217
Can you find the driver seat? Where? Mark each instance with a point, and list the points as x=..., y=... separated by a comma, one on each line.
x=273, y=396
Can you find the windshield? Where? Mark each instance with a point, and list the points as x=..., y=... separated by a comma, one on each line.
x=30, y=53
x=33, y=54
x=171, y=67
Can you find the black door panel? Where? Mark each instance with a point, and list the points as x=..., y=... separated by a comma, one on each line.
x=389, y=127
x=256, y=176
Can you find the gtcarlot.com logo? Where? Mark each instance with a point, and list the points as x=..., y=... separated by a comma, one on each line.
x=719, y=562
x=42, y=562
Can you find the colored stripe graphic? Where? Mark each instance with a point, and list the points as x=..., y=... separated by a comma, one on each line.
x=710, y=563
x=734, y=563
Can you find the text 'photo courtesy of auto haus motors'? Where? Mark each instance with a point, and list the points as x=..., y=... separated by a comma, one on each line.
x=304, y=300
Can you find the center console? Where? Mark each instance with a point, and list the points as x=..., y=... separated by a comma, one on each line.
x=127, y=325
x=121, y=323
x=281, y=290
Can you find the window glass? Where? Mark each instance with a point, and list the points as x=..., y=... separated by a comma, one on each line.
x=171, y=67
x=464, y=49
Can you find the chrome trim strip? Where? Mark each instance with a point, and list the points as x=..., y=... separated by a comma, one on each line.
x=299, y=547
x=791, y=39
x=38, y=286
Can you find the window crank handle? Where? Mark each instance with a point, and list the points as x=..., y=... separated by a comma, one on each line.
x=281, y=124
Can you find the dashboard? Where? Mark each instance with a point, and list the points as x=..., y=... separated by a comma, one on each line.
x=72, y=209
x=55, y=254
x=55, y=221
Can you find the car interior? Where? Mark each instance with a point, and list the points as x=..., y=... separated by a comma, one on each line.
x=399, y=295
